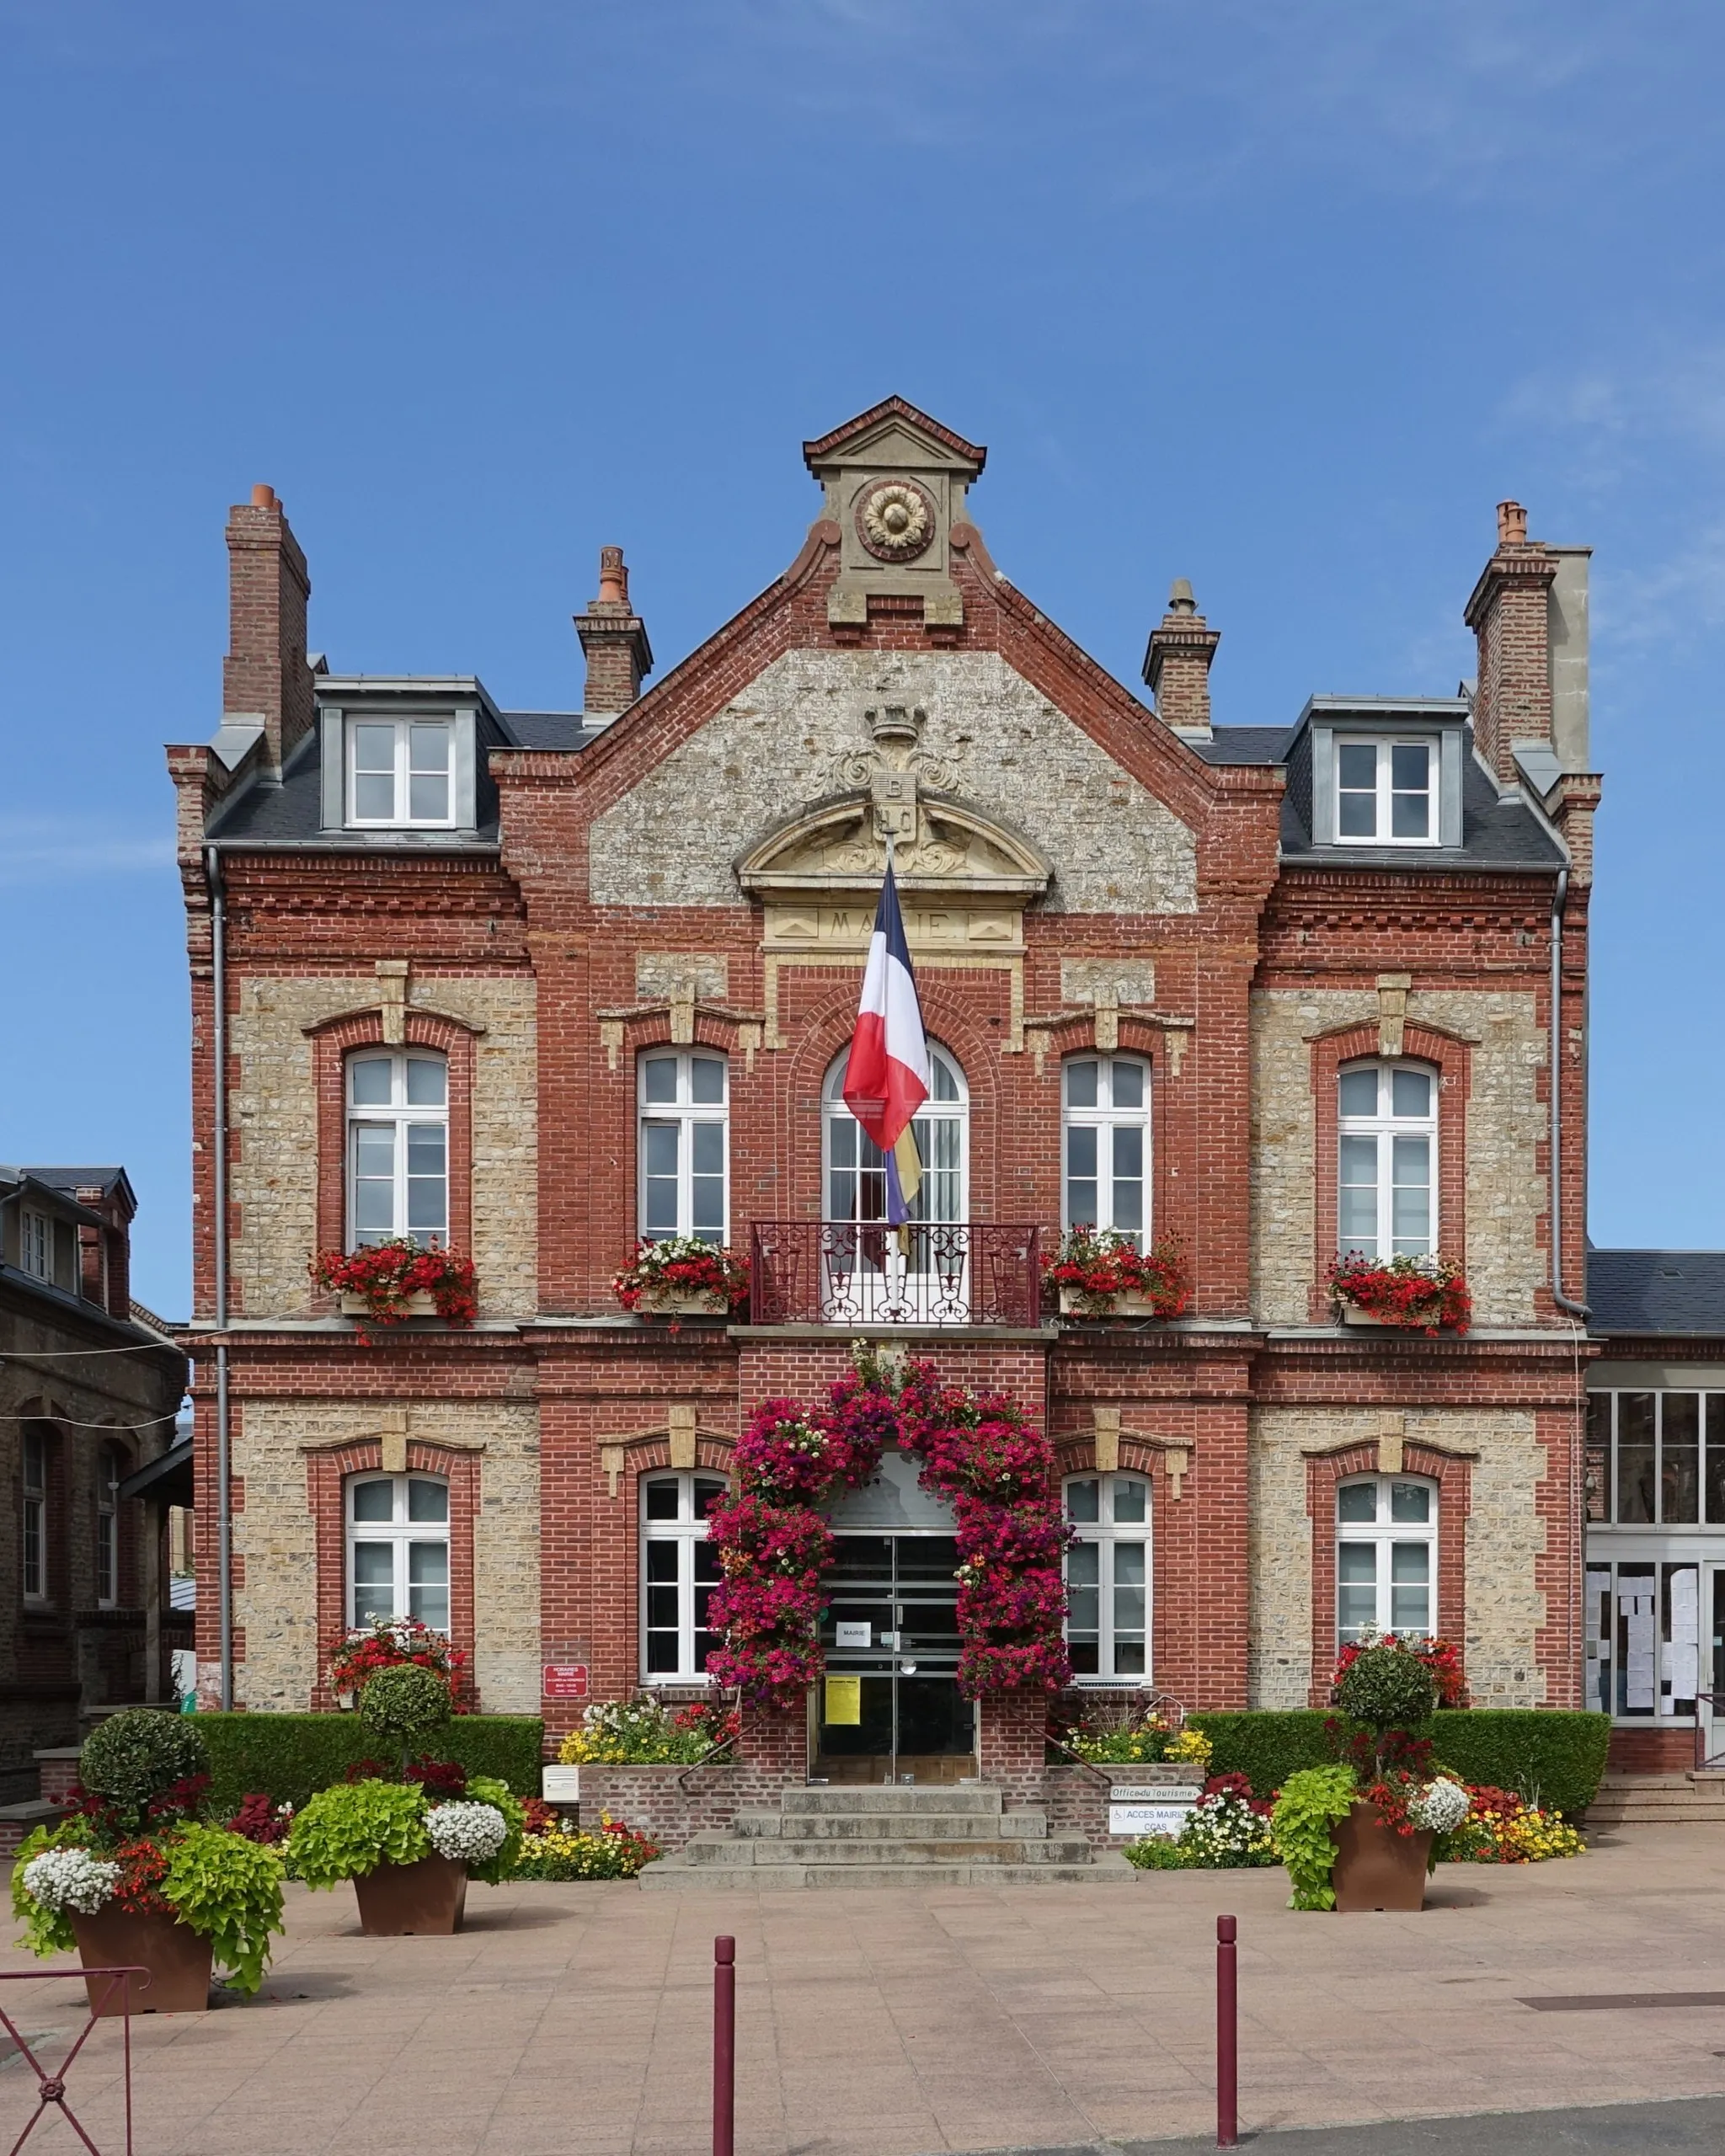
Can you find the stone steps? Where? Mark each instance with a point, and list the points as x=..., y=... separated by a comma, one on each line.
x=1675, y=1799
x=884, y=1837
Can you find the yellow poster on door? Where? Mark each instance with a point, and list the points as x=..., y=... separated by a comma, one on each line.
x=844, y=1701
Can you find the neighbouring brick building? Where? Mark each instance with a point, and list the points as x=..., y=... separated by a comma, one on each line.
x=90, y=1386
x=541, y=982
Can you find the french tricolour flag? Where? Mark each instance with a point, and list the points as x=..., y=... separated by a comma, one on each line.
x=886, y=1080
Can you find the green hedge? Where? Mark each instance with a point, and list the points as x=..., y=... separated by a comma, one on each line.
x=291, y=1757
x=1559, y=1755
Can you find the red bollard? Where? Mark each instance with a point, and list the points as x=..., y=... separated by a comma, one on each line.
x=1227, y=2036
x=724, y=2046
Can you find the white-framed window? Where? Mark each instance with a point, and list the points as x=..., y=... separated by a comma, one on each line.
x=1387, y=1158
x=397, y=1549
x=1107, y=1151
x=34, y=1515
x=679, y=1571
x=110, y=1468
x=35, y=1254
x=684, y=1111
x=855, y=1171
x=1387, y=792
x=1387, y=1556
x=1107, y=1576
x=401, y=771
x=398, y=1146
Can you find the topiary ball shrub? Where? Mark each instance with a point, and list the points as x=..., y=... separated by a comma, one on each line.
x=1387, y=1687
x=134, y=1756
x=404, y=1707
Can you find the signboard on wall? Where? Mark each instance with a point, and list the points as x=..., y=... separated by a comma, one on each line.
x=565, y=1680
x=1136, y=1819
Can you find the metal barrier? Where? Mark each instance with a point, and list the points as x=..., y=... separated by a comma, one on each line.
x=1227, y=2035
x=724, y=2046
x=50, y=2086
x=861, y=1273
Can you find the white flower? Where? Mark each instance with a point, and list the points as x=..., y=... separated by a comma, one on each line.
x=466, y=1833
x=1441, y=1807
x=71, y=1878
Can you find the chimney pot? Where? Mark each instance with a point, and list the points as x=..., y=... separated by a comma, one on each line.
x=613, y=578
x=614, y=640
x=263, y=496
x=1177, y=664
x=1180, y=599
x=1512, y=525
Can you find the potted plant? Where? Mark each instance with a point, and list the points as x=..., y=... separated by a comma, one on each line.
x=1358, y=1834
x=409, y=1843
x=1102, y=1272
x=1407, y=1294
x=681, y=1276
x=388, y=1643
x=134, y=1878
x=389, y=1282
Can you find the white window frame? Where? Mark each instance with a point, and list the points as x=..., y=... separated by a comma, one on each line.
x=870, y=1173
x=1385, y=789
x=1106, y=1120
x=688, y=1531
x=682, y=1115
x=1106, y=1535
x=401, y=1535
x=400, y=1116
x=1384, y=1127
x=109, y=1475
x=33, y=1511
x=1383, y=1533
x=401, y=817
x=35, y=1245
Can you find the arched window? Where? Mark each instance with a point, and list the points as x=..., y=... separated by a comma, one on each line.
x=110, y=1468
x=679, y=1571
x=856, y=1174
x=398, y=1147
x=1387, y=1556
x=1107, y=1576
x=38, y=1444
x=1386, y=1152
x=1106, y=1104
x=683, y=1108
x=397, y=1542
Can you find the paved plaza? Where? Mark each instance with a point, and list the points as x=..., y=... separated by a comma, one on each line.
x=575, y=2021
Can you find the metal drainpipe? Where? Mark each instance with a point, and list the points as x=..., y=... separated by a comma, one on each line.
x=224, y=1514
x=1577, y=1311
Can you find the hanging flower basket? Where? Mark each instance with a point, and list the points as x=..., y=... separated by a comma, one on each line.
x=385, y=1284
x=386, y=1643
x=682, y=1277
x=1102, y=1273
x=1406, y=1295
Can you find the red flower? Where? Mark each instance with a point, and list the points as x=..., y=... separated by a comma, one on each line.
x=1416, y=1295
x=385, y=1275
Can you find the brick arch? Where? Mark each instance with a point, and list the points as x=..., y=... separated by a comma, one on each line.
x=1452, y=1057
x=327, y=1472
x=1452, y=1472
x=332, y=1044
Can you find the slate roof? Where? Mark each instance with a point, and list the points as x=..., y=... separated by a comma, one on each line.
x=1678, y=1291
x=73, y=1180
x=1244, y=744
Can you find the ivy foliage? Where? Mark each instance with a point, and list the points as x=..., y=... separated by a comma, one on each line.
x=228, y=1890
x=345, y=1833
x=139, y=1754
x=1310, y=1803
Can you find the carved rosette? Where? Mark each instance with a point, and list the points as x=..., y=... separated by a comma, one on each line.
x=895, y=520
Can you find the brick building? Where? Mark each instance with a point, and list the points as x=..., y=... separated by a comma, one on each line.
x=539, y=982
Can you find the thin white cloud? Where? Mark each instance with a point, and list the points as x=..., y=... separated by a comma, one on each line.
x=39, y=849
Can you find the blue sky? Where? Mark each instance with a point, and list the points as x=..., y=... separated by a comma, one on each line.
x=1282, y=300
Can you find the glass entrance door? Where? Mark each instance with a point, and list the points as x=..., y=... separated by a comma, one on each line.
x=890, y=1710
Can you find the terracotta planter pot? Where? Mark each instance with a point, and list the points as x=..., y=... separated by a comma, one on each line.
x=1376, y=1868
x=670, y=1302
x=177, y=1959
x=1128, y=1303
x=424, y=1899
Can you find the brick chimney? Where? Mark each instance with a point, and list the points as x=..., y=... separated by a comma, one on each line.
x=614, y=639
x=264, y=674
x=1509, y=613
x=1176, y=665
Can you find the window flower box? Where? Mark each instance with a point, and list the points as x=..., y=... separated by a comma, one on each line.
x=671, y=1302
x=1099, y=1274
x=682, y=1277
x=385, y=1284
x=420, y=1303
x=1406, y=1295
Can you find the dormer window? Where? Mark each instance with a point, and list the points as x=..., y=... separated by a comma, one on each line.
x=400, y=773
x=1386, y=792
x=37, y=1246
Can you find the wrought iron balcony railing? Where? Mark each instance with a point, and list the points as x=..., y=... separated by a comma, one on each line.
x=846, y=1272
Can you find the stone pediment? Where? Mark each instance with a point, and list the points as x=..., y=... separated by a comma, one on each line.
x=943, y=850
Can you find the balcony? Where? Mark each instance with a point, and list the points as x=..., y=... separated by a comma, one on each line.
x=862, y=1273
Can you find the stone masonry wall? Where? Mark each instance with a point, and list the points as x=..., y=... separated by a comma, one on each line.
x=274, y=1173
x=1507, y=1120
x=275, y=1606
x=774, y=749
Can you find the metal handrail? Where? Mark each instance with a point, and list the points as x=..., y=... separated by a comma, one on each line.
x=1716, y=1701
x=857, y=1273
x=1078, y=1760
x=707, y=1757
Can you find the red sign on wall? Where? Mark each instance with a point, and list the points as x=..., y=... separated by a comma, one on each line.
x=565, y=1680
